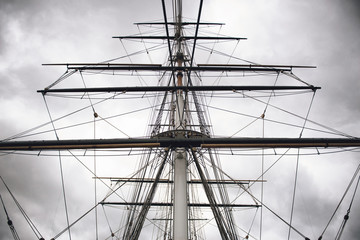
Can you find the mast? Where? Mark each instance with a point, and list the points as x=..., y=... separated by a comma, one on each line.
x=180, y=156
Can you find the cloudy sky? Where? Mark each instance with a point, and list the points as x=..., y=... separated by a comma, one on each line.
x=323, y=33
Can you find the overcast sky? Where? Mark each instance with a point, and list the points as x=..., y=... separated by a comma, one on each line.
x=323, y=33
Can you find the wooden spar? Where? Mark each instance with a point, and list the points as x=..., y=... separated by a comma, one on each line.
x=179, y=87
x=182, y=38
x=161, y=204
x=182, y=23
x=193, y=181
x=202, y=142
x=156, y=68
x=254, y=66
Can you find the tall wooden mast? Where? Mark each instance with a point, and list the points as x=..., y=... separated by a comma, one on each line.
x=180, y=214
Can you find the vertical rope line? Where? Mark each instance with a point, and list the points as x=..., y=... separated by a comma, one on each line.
x=232, y=53
x=297, y=167
x=213, y=47
x=252, y=223
x=263, y=155
x=95, y=179
x=262, y=177
x=7, y=215
x=107, y=220
x=217, y=81
x=97, y=115
x=95, y=185
x=51, y=120
x=61, y=170
x=64, y=195
x=307, y=115
x=168, y=37
x=196, y=34
x=87, y=93
x=145, y=47
x=141, y=80
x=294, y=192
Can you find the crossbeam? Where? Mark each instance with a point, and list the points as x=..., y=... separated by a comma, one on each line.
x=239, y=68
x=160, y=204
x=182, y=23
x=194, y=181
x=160, y=65
x=256, y=65
x=182, y=38
x=168, y=142
x=198, y=67
x=175, y=88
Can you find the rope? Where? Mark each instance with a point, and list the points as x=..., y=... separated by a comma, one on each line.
x=153, y=48
x=83, y=123
x=168, y=40
x=337, y=207
x=95, y=176
x=61, y=168
x=224, y=230
x=297, y=166
x=307, y=114
x=113, y=126
x=61, y=78
x=51, y=120
x=262, y=173
x=294, y=191
x=257, y=200
x=225, y=54
x=292, y=75
x=196, y=34
x=218, y=78
x=95, y=181
x=247, y=125
x=27, y=218
x=87, y=93
x=22, y=134
x=213, y=47
x=9, y=222
x=295, y=115
x=269, y=120
x=72, y=224
x=141, y=80
x=346, y=217
x=147, y=52
x=107, y=220
x=252, y=223
x=263, y=156
x=64, y=195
